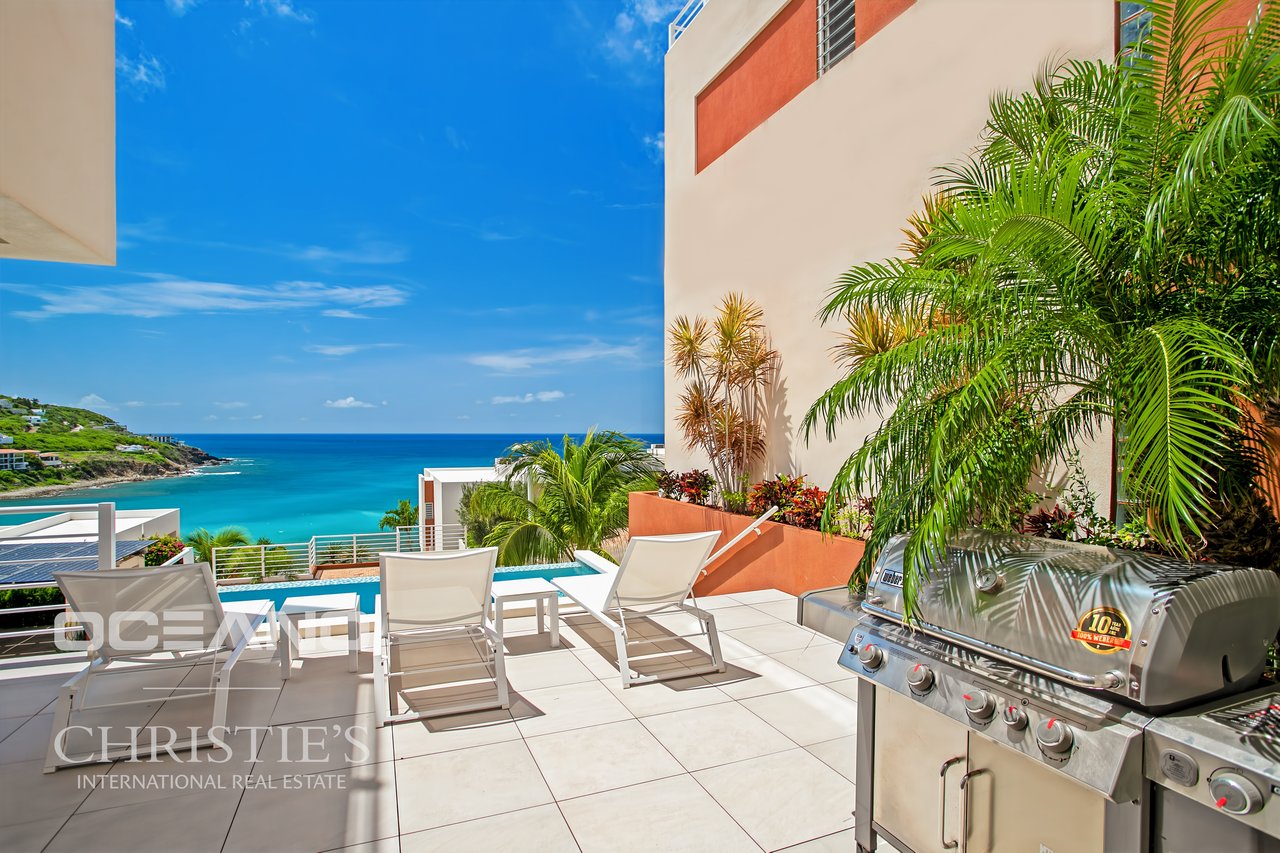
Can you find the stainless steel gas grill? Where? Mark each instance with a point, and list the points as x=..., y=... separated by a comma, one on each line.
x=1013, y=714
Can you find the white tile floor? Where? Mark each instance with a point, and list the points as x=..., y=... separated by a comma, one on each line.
x=758, y=758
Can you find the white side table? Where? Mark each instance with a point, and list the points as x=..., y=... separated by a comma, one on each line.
x=315, y=607
x=529, y=589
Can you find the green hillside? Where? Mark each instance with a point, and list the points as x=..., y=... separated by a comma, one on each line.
x=86, y=443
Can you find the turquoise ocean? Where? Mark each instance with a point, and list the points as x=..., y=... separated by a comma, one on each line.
x=291, y=487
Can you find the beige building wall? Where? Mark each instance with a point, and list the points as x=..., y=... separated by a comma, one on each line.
x=58, y=130
x=829, y=179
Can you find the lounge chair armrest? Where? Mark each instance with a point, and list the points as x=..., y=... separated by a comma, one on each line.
x=592, y=560
x=246, y=636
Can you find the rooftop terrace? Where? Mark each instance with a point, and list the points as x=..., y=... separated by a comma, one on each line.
x=759, y=758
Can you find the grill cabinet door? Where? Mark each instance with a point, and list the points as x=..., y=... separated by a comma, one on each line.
x=912, y=744
x=1016, y=804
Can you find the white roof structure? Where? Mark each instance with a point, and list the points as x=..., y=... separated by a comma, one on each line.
x=486, y=474
x=82, y=526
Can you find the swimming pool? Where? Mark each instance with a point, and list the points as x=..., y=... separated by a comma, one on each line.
x=367, y=587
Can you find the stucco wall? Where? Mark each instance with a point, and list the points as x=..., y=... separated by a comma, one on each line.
x=778, y=64
x=57, y=130
x=830, y=178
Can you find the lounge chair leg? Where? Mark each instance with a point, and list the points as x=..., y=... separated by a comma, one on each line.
x=713, y=639
x=381, y=695
x=620, y=638
x=500, y=674
x=220, y=696
x=61, y=719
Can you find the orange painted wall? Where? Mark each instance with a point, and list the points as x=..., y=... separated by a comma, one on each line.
x=781, y=557
x=778, y=64
x=872, y=16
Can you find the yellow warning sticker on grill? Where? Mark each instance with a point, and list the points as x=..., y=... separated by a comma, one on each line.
x=1103, y=631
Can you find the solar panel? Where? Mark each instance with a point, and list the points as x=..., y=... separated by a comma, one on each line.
x=35, y=562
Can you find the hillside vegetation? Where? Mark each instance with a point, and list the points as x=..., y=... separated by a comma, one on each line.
x=86, y=443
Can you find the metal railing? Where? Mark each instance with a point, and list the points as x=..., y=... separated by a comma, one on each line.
x=836, y=32
x=297, y=559
x=682, y=20
x=258, y=562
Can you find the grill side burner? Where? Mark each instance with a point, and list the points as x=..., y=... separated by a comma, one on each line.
x=1225, y=756
x=1035, y=700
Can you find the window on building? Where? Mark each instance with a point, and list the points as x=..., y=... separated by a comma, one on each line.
x=835, y=32
x=1132, y=23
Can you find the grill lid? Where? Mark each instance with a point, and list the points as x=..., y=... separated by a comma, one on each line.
x=1154, y=631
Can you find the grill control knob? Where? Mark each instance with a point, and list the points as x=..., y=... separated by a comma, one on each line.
x=920, y=678
x=1015, y=718
x=980, y=706
x=1233, y=793
x=872, y=656
x=1054, y=736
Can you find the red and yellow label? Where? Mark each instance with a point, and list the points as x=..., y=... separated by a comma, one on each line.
x=1103, y=631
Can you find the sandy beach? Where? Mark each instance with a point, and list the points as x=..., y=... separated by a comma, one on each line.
x=59, y=488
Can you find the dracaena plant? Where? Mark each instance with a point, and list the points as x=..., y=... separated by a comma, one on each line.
x=1110, y=253
x=729, y=365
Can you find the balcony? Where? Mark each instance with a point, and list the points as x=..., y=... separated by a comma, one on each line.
x=759, y=758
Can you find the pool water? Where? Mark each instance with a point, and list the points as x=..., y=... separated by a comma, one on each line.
x=367, y=588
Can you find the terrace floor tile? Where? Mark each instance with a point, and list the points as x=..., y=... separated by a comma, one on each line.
x=674, y=814
x=348, y=807
x=807, y=716
x=716, y=734
x=451, y=787
x=587, y=761
x=782, y=799
x=540, y=828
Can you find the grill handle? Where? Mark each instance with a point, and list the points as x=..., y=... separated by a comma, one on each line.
x=1106, y=681
x=942, y=803
x=964, y=806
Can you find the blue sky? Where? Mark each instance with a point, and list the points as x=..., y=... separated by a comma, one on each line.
x=397, y=216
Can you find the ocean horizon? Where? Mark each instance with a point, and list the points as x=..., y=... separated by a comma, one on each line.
x=292, y=486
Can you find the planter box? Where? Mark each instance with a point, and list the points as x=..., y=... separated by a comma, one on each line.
x=781, y=557
x=344, y=570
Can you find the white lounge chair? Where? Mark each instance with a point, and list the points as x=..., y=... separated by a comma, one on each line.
x=426, y=603
x=656, y=576
x=138, y=622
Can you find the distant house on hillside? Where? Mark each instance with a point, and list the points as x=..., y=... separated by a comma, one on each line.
x=77, y=428
x=6, y=403
x=51, y=460
x=13, y=460
x=130, y=448
x=161, y=439
x=34, y=420
x=6, y=439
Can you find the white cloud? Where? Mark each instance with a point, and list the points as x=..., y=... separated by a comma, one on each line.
x=376, y=252
x=141, y=75
x=281, y=9
x=656, y=145
x=535, y=397
x=513, y=361
x=140, y=404
x=232, y=404
x=639, y=30
x=348, y=403
x=127, y=23
x=181, y=7
x=344, y=314
x=93, y=401
x=456, y=142
x=344, y=349
x=166, y=296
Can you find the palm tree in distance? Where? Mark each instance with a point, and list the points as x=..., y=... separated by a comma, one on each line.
x=579, y=496
x=203, y=542
x=1108, y=255
x=403, y=514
